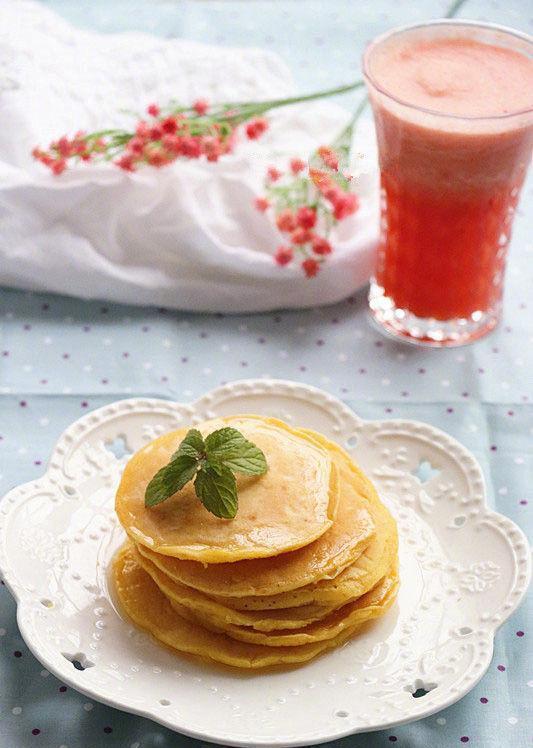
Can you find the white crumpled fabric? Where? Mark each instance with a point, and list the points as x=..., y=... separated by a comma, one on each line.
x=186, y=236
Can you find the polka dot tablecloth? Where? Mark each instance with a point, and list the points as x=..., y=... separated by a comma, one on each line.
x=60, y=357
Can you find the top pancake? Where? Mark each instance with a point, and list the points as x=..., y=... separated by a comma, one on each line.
x=288, y=507
x=340, y=546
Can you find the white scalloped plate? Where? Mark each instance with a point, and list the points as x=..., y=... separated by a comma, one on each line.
x=464, y=570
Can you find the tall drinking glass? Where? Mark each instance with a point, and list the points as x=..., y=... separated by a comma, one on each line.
x=453, y=107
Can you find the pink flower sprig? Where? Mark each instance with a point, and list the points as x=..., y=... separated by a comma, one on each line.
x=158, y=140
x=308, y=200
x=167, y=134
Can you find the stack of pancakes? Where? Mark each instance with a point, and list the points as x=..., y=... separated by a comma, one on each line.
x=310, y=557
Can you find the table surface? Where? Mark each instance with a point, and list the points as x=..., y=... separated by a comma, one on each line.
x=60, y=357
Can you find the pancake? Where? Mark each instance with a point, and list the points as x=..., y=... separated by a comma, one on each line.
x=352, y=582
x=205, y=607
x=340, y=546
x=288, y=507
x=147, y=607
x=372, y=605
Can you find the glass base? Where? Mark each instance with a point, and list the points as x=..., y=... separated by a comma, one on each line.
x=427, y=331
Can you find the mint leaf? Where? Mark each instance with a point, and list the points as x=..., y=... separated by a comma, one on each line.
x=228, y=447
x=170, y=479
x=192, y=445
x=216, y=488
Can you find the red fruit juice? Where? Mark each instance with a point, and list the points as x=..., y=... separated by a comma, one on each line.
x=453, y=106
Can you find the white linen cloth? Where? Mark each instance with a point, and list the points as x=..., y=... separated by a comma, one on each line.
x=186, y=236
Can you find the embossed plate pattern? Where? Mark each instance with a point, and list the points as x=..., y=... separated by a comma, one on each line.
x=464, y=569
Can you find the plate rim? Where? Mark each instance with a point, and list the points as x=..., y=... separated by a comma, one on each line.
x=287, y=388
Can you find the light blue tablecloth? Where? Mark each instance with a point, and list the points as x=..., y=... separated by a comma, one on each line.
x=60, y=357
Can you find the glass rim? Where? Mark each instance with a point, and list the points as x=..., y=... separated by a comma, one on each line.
x=442, y=22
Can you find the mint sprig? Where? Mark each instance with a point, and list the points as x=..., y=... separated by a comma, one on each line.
x=212, y=463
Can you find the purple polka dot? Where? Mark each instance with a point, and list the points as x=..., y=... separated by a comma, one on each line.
x=86, y=328
x=17, y=653
x=84, y=404
x=105, y=381
x=523, y=502
x=464, y=394
x=362, y=371
x=510, y=412
x=320, y=341
x=303, y=368
x=44, y=381
x=388, y=410
x=449, y=410
x=501, y=668
x=37, y=462
x=184, y=359
x=378, y=343
x=404, y=393
x=164, y=379
x=125, y=354
x=23, y=403
x=520, y=633
x=145, y=328
x=493, y=448
x=465, y=739
x=62, y=689
x=5, y=353
x=27, y=327
x=481, y=370
x=108, y=730
x=261, y=340
x=203, y=335
x=392, y=738
x=45, y=307
x=484, y=700
x=244, y=363
x=335, y=321
x=35, y=731
x=66, y=355
x=421, y=371
x=495, y=350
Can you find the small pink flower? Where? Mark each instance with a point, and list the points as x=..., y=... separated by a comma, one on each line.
x=153, y=110
x=273, y=174
x=256, y=127
x=283, y=255
x=142, y=130
x=157, y=157
x=297, y=165
x=201, y=106
x=306, y=217
x=126, y=163
x=64, y=147
x=190, y=147
x=345, y=206
x=301, y=236
x=321, y=246
x=285, y=220
x=169, y=125
x=261, y=204
x=58, y=166
x=211, y=146
x=310, y=267
x=156, y=132
x=329, y=157
x=135, y=145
